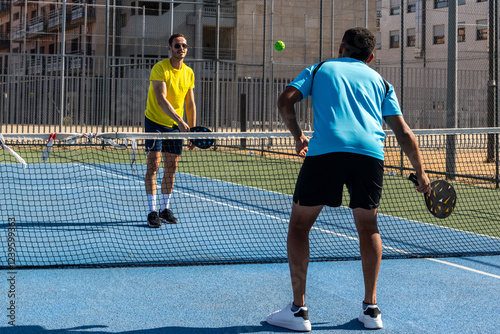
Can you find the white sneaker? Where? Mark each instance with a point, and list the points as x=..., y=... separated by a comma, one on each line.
x=296, y=321
x=371, y=317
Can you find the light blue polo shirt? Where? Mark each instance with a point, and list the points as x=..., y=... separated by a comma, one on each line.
x=349, y=102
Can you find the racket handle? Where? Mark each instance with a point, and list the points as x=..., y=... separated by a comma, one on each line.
x=413, y=178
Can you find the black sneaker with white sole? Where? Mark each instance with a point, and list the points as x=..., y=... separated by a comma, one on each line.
x=153, y=220
x=168, y=216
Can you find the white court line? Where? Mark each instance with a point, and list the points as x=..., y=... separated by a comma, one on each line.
x=429, y=259
x=263, y=214
x=315, y=228
x=108, y=173
x=231, y=206
x=463, y=267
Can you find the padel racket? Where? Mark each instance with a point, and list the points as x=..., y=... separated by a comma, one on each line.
x=441, y=202
x=203, y=143
x=50, y=143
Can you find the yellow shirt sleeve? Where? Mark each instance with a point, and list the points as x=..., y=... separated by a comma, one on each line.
x=178, y=83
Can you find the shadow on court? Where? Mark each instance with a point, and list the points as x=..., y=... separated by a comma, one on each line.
x=263, y=328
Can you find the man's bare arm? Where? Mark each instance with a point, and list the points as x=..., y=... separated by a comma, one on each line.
x=408, y=143
x=286, y=107
x=160, y=89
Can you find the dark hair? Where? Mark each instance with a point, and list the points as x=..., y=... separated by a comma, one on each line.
x=174, y=36
x=359, y=43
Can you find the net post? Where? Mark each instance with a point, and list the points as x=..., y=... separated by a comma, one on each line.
x=492, y=116
x=243, y=118
x=451, y=114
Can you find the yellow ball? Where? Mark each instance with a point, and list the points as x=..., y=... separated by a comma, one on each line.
x=279, y=45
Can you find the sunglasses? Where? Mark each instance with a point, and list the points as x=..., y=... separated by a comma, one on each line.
x=178, y=46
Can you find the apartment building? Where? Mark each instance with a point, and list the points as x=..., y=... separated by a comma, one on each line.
x=142, y=28
x=425, y=42
x=36, y=27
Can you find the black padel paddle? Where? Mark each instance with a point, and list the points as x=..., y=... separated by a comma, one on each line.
x=441, y=202
x=202, y=143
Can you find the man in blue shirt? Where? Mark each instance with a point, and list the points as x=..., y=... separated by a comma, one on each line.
x=350, y=101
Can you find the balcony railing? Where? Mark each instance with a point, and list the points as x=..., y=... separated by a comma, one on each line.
x=36, y=25
x=78, y=14
x=17, y=32
x=209, y=53
x=36, y=66
x=224, y=11
x=55, y=18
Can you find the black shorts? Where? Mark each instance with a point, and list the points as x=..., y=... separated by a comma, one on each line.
x=173, y=146
x=322, y=178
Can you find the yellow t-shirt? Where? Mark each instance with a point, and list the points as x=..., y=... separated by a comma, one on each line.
x=178, y=83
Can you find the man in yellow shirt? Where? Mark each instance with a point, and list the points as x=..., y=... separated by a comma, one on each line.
x=170, y=89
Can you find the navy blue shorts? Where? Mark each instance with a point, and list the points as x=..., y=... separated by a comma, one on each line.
x=322, y=178
x=173, y=146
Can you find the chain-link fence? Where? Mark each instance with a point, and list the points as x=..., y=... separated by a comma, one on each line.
x=83, y=66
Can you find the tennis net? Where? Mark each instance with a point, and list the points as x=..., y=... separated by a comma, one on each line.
x=79, y=200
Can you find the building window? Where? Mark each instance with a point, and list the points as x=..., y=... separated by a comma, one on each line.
x=123, y=19
x=481, y=30
x=412, y=6
x=152, y=8
x=395, y=7
x=410, y=37
x=227, y=49
x=88, y=46
x=379, y=43
x=482, y=0
x=438, y=34
x=394, y=39
x=75, y=46
x=440, y=3
x=461, y=32
x=438, y=105
x=444, y=3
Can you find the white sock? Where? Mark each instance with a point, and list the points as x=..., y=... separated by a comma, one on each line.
x=152, y=202
x=165, y=201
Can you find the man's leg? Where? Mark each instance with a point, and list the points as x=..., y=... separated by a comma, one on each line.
x=170, y=161
x=370, y=246
x=296, y=317
x=153, y=163
x=301, y=221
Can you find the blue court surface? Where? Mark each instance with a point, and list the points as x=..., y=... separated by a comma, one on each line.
x=452, y=295
x=447, y=295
